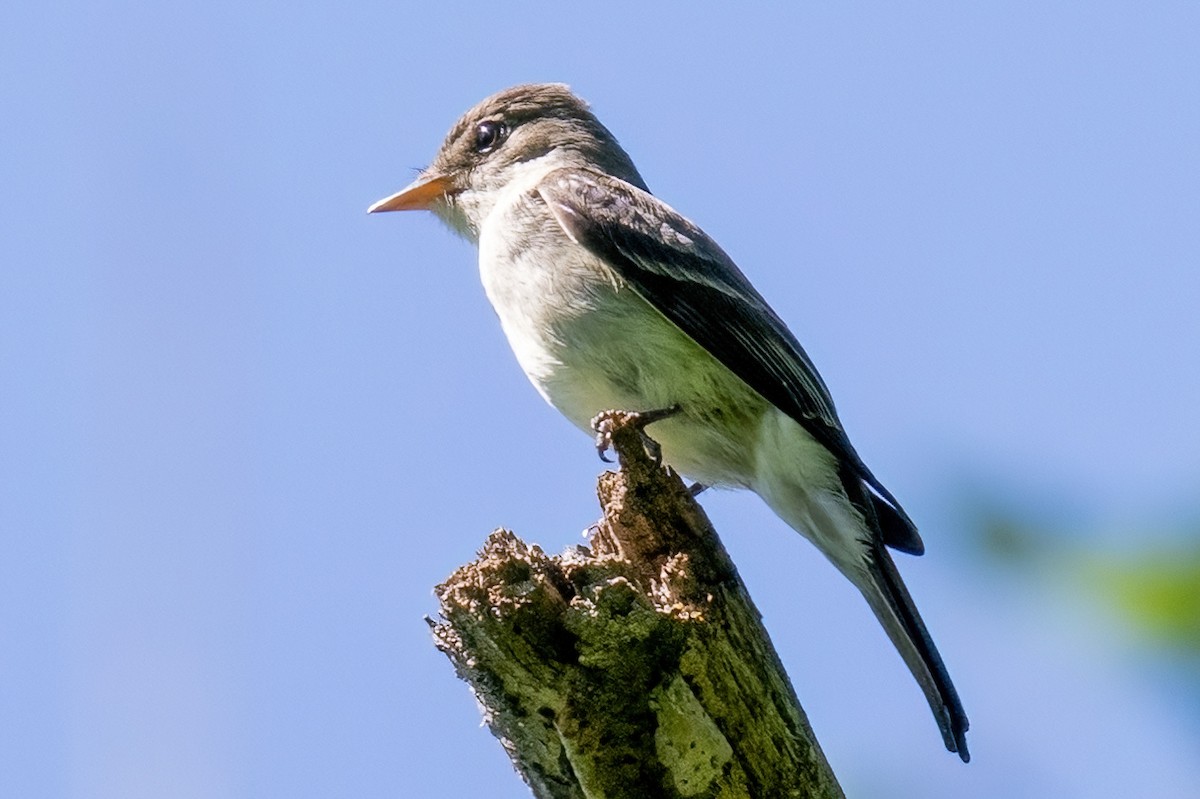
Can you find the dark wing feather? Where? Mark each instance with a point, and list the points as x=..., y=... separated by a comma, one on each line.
x=679, y=270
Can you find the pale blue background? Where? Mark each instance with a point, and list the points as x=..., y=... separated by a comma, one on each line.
x=244, y=427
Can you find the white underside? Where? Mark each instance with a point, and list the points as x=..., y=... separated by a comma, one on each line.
x=589, y=343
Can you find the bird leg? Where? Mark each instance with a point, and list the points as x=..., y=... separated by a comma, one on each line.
x=604, y=422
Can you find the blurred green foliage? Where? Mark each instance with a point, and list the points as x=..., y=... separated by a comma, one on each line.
x=1158, y=591
x=1155, y=588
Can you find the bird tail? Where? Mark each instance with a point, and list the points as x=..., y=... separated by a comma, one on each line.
x=848, y=529
x=893, y=606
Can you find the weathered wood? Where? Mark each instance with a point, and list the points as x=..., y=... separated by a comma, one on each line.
x=636, y=667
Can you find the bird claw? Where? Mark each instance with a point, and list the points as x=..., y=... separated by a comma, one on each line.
x=605, y=421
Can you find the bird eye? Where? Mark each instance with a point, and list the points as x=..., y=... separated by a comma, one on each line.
x=488, y=136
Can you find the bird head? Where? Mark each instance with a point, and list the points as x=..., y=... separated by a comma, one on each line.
x=520, y=131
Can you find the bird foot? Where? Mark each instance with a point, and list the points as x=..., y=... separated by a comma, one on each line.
x=606, y=422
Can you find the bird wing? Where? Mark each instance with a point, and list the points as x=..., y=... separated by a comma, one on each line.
x=679, y=270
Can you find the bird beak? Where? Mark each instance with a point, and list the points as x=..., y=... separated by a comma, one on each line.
x=419, y=195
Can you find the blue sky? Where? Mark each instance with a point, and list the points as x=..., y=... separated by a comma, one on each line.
x=244, y=427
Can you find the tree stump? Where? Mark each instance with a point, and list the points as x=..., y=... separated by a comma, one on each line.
x=635, y=667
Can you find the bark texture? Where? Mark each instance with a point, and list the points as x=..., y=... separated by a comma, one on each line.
x=636, y=667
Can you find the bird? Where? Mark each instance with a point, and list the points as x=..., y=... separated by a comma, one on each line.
x=611, y=299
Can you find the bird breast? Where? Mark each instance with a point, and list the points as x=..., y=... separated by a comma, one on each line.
x=588, y=343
